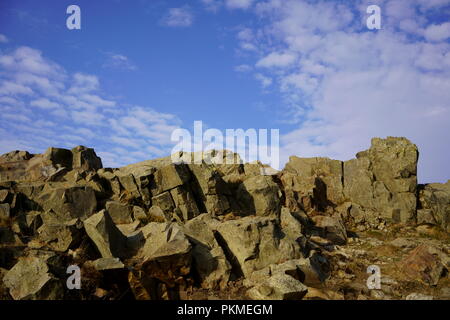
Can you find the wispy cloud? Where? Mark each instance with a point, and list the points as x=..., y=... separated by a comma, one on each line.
x=119, y=61
x=243, y=68
x=42, y=105
x=343, y=84
x=264, y=80
x=238, y=4
x=178, y=17
x=3, y=38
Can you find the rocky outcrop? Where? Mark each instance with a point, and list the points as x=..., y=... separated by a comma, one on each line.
x=253, y=243
x=380, y=184
x=383, y=180
x=434, y=204
x=164, y=228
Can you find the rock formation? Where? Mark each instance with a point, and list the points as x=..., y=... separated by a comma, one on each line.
x=161, y=229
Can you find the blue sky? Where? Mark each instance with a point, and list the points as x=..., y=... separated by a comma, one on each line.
x=139, y=69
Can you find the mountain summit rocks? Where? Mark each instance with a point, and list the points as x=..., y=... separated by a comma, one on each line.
x=160, y=230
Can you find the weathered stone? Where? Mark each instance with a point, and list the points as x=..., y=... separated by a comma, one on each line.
x=217, y=204
x=112, y=181
x=85, y=159
x=156, y=214
x=30, y=279
x=290, y=267
x=4, y=195
x=59, y=157
x=139, y=214
x=331, y=228
x=108, y=264
x=208, y=180
x=358, y=182
x=165, y=202
x=425, y=263
x=129, y=228
x=253, y=243
x=185, y=203
x=69, y=203
x=209, y=259
x=166, y=253
x=403, y=243
x=290, y=225
x=15, y=156
x=383, y=179
x=435, y=197
x=259, y=195
x=278, y=287
x=312, y=271
x=322, y=294
x=58, y=237
x=169, y=177
x=209, y=187
x=418, y=296
x=425, y=216
x=5, y=211
x=129, y=184
x=320, y=178
x=109, y=241
x=119, y=212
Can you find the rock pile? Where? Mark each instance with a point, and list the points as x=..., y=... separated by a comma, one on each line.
x=161, y=229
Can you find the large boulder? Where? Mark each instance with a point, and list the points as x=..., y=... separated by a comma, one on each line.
x=426, y=264
x=186, y=206
x=435, y=198
x=65, y=204
x=58, y=237
x=310, y=271
x=331, y=228
x=278, y=287
x=166, y=254
x=108, y=239
x=169, y=177
x=165, y=204
x=120, y=213
x=85, y=159
x=253, y=243
x=209, y=260
x=31, y=279
x=209, y=187
x=291, y=223
x=312, y=183
x=383, y=179
x=259, y=195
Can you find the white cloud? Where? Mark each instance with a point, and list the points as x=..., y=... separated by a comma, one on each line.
x=178, y=17
x=212, y=5
x=41, y=105
x=238, y=4
x=44, y=103
x=11, y=88
x=276, y=59
x=3, y=38
x=119, y=61
x=265, y=81
x=350, y=84
x=83, y=83
x=437, y=32
x=242, y=68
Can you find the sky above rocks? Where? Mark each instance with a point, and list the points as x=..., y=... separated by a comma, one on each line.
x=137, y=70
